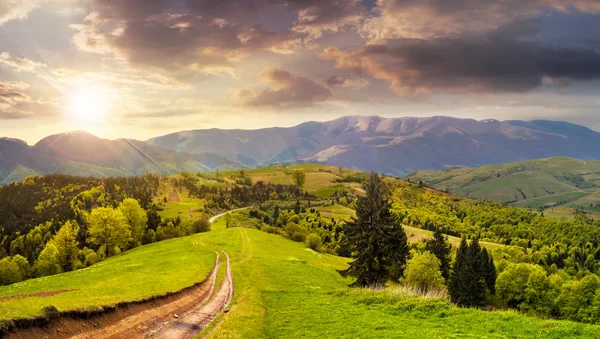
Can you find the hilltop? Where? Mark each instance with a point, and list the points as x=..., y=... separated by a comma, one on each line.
x=557, y=184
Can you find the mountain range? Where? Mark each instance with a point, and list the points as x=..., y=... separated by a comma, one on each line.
x=80, y=153
x=396, y=146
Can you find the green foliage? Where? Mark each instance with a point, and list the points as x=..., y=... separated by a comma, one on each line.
x=423, y=273
x=441, y=248
x=314, y=242
x=299, y=178
x=136, y=218
x=65, y=241
x=377, y=243
x=10, y=272
x=47, y=263
x=108, y=229
x=467, y=285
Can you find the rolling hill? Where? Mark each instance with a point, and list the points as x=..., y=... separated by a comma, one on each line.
x=556, y=183
x=395, y=146
x=80, y=153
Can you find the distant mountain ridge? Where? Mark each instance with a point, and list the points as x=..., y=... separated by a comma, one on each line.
x=81, y=153
x=395, y=146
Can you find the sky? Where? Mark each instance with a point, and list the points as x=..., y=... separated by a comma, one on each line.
x=145, y=68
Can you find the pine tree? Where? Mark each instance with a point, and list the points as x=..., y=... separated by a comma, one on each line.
x=376, y=242
x=467, y=282
x=441, y=248
x=489, y=271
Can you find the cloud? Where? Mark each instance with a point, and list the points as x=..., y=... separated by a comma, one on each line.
x=19, y=64
x=442, y=18
x=285, y=90
x=207, y=36
x=500, y=61
x=10, y=92
x=17, y=9
x=20, y=9
x=344, y=81
x=16, y=104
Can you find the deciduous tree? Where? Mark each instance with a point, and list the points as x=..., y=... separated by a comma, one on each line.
x=108, y=229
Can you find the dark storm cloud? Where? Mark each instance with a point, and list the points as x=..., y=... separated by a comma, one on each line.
x=437, y=18
x=206, y=35
x=285, y=90
x=504, y=60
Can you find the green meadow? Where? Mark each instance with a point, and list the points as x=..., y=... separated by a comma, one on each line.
x=282, y=290
x=145, y=271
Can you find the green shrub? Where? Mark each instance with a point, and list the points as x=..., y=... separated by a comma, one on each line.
x=314, y=242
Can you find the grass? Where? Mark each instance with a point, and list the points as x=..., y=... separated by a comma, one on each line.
x=320, y=179
x=284, y=290
x=182, y=209
x=146, y=271
x=336, y=211
x=416, y=234
x=541, y=183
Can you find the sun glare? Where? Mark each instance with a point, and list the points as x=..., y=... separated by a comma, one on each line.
x=89, y=104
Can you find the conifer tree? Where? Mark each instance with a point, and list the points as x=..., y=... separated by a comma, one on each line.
x=489, y=271
x=441, y=248
x=378, y=244
x=467, y=282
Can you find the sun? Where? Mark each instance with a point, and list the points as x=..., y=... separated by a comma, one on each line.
x=89, y=104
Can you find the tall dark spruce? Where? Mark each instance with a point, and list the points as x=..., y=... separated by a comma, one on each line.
x=468, y=281
x=377, y=242
x=441, y=248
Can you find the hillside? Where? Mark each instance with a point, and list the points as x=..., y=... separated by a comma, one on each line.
x=395, y=146
x=83, y=154
x=556, y=184
x=282, y=290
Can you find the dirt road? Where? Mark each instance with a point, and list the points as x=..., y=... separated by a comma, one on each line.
x=190, y=324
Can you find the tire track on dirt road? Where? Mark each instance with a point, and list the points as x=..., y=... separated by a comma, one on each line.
x=190, y=324
x=141, y=323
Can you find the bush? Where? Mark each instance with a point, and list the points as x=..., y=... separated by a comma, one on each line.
x=271, y=229
x=314, y=242
x=10, y=272
x=422, y=274
x=202, y=225
x=91, y=259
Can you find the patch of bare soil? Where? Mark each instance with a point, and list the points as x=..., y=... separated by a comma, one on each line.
x=37, y=294
x=174, y=197
x=135, y=320
x=191, y=323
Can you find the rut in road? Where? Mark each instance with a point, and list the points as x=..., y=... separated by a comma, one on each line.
x=190, y=324
x=138, y=325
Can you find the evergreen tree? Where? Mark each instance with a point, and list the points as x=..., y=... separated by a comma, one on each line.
x=276, y=214
x=297, y=207
x=376, y=242
x=489, y=271
x=467, y=284
x=441, y=248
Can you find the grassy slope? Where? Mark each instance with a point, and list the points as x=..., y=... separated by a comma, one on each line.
x=145, y=271
x=319, y=178
x=544, y=182
x=284, y=290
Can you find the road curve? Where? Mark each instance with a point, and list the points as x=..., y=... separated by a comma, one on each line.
x=222, y=214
